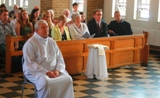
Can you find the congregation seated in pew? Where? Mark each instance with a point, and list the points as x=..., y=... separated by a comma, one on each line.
x=82, y=17
x=78, y=50
x=23, y=27
x=52, y=15
x=16, y=19
x=55, y=21
x=70, y=22
x=12, y=14
x=119, y=26
x=5, y=29
x=66, y=12
x=60, y=32
x=78, y=29
x=97, y=25
x=46, y=15
x=34, y=16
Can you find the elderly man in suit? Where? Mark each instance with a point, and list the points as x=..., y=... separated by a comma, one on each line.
x=97, y=25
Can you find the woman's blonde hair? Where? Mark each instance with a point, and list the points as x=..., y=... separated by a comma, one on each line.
x=62, y=18
x=50, y=23
x=45, y=12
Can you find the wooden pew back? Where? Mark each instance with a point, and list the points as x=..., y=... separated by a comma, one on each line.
x=123, y=50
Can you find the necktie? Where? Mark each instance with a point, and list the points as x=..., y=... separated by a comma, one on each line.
x=99, y=28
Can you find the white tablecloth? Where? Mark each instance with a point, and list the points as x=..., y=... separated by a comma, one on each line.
x=96, y=63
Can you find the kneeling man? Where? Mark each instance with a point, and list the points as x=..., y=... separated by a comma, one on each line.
x=44, y=65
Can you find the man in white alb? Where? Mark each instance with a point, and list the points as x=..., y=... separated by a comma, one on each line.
x=44, y=65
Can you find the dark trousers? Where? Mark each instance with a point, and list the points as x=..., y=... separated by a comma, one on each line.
x=16, y=60
x=2, y=53
x=2, y=50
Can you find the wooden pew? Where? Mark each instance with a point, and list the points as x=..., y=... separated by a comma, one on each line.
x=10, y=51
x=124, y=50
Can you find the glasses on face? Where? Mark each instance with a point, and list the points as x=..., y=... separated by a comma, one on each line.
x=98, y=14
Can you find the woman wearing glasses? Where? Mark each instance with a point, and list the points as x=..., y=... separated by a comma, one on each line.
x=46, y=15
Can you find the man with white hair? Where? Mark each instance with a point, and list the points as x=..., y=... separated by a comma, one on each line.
x=44, y=65
x=66, y=12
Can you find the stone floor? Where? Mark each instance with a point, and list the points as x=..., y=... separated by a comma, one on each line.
x=127, y=82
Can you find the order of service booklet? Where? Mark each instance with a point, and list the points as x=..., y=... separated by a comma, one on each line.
x=86, y=35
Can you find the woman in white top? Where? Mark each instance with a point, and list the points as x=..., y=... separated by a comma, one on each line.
x=78, y=29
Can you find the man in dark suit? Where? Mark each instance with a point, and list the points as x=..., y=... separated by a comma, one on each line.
x=12, y=13
x=119, y=26
x=97, y=25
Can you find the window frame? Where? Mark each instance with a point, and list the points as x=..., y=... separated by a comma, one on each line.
x=158, y=20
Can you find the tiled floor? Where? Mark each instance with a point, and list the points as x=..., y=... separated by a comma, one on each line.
x=127, y=82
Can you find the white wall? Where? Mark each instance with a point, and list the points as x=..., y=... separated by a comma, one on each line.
x=32, y=3
x=138, y=26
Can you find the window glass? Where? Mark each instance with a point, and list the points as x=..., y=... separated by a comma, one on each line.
x=142, y=9
x=24, y=3
x=119, y=5
x=81, y=4
x=12, y=2
x=2, y=1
